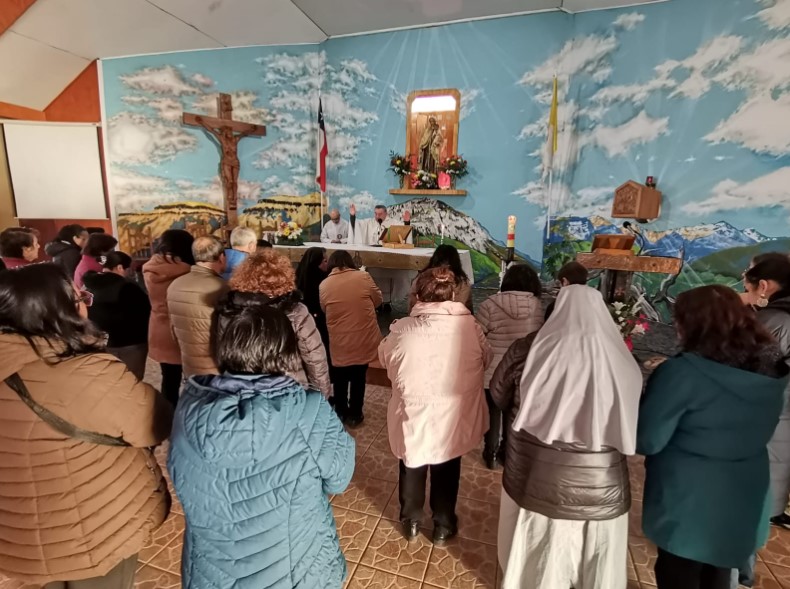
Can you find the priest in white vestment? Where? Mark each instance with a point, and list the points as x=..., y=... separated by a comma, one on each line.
x=394, y=284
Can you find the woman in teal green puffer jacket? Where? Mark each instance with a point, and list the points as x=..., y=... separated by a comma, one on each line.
x=704, y=424
x=253, y=458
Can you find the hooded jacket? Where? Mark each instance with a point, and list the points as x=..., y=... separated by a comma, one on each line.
x=159, y=273
x=253, y=460
x=120, y=308
x=506, y=317
x=64, y=254
x=73, y=510
x=704, y=427
x=86, y=264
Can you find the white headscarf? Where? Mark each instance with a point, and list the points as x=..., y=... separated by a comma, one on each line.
x=580, y=383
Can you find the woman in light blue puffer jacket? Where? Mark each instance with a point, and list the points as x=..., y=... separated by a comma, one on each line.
x=253, y=458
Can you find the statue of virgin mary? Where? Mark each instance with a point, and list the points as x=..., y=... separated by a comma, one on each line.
x=428, y=159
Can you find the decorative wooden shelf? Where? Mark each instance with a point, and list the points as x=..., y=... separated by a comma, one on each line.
x=432, y=192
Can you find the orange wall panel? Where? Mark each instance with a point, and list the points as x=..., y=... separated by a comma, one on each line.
x=10, y=10
x=12, y=111
x=79, y=102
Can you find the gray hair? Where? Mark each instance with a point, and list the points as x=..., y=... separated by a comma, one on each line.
x=207, y=249
x=242, y=236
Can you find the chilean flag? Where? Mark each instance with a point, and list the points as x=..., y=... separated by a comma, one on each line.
x=323, y=150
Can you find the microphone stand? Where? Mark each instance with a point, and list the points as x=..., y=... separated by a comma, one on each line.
x=637, y=234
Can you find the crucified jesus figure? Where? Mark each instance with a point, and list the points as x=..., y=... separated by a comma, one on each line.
x=227, y=133
x=228, y=142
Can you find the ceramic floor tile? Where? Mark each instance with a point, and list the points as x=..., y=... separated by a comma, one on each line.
x=14, y=584
x=377, y=464
x=482, y=485
x=474, y=459
x=635, y=520
x=352, y=566
x=389, y=551
x=365, y=495
x=355, y=530
x=152, y=578
x=382, y=441
x=170, y=530
x=462, y=564
x=777, y=550
x=169, y=558
x=631, y=568
x=765, y=579
x=364, y=435
x=477, y=520
x=643, y=554
x=367, y=578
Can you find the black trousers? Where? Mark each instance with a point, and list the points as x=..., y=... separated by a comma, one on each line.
x=445, y=480
x=353, y=378
x=171, y=382
x=676, y=572
x=495, y=429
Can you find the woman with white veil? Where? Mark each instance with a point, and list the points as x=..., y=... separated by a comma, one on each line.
x=564, y=512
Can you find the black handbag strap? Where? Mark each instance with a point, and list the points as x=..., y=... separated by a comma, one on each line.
x=17, y=385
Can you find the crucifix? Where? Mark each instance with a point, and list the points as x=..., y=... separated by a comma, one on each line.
x=227, y=133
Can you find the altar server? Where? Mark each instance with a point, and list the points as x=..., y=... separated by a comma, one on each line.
x=335, y=230
x=564, y=512
x=394, y=284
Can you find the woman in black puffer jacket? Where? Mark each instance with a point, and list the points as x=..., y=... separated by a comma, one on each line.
x=121, y=309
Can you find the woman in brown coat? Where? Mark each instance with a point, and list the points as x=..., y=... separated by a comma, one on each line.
x=173, y=259
x=270, y=278
x=80, y=490
x=349, y=298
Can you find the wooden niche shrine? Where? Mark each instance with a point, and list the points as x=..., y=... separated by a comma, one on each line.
x=432, y=121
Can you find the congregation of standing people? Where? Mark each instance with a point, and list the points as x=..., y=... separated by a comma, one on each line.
x=264, y=369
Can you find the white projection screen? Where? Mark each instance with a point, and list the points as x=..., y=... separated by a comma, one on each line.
x=55, y=170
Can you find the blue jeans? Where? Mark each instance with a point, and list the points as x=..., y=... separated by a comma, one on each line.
x=744, y=575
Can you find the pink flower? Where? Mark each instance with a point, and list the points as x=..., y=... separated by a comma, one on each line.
x=629, y=344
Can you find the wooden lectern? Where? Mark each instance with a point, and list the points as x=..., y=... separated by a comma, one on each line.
x=614, y=254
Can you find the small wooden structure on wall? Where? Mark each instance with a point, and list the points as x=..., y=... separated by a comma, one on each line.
x=633, y=200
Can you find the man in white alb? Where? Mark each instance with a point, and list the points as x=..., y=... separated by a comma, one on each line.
x=335, y=230
x=394, y=284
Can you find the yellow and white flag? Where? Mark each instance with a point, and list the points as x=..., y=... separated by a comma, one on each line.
x=552, y=141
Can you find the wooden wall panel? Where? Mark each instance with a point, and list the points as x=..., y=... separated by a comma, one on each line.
x=79, y=102
x=10, y=10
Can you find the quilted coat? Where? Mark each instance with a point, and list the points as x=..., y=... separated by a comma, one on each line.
x=556, y=480
x=776, y=317
x=73, y=510
x=506, y=317
x=159, y=273
x=191, y=300
x=435, y=359
x=253, y=460
x=349, y=298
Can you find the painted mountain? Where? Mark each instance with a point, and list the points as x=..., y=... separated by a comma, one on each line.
x=269, y=212
x=693, y=242
x=462, y=231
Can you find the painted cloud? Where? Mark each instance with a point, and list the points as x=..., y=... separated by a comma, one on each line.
x=137, y=139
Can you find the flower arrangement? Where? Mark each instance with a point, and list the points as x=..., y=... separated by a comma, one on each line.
x=289, y=233
x=400, y=165
x=630, y=320
x=423, y=180
x=454, y=166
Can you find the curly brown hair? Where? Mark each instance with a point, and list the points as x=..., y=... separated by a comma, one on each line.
x=265, y=271
x=713, y=323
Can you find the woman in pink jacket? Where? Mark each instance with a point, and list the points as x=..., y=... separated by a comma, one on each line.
x=436, y=359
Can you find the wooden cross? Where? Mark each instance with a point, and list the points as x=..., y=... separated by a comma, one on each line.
x=227, y=133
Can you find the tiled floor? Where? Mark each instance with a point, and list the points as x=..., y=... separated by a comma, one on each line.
x=378, y=558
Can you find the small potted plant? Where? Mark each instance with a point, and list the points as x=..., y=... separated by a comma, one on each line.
x=423, y=180
x=289, y=233
x=454, y=166
x=400, y=166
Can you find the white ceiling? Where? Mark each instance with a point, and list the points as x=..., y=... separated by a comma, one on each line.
x=54, y=40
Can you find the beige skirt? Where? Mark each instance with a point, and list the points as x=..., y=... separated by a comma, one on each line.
x=537, y=552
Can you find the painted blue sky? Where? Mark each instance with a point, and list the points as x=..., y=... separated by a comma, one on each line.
x=683, y=90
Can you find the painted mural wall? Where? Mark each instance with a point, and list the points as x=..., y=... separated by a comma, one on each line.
x=685, y=91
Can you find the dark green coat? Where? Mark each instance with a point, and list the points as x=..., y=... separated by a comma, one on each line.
x=704, y=427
